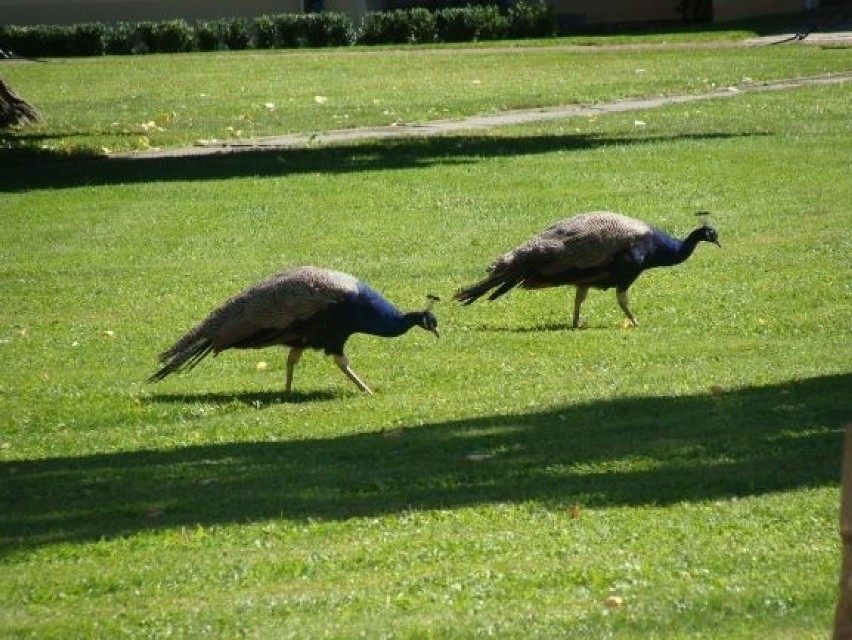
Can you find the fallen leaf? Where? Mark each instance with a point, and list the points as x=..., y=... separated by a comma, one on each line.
x=165, y=117
x=613, y=602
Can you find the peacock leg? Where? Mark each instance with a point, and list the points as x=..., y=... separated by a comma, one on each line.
x=581, y=294
x=343, y=363
x=292, y=360
x=623, y=302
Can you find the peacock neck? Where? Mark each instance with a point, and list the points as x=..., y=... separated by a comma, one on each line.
x=669, y=251
x=377, y=316
x=390, y=325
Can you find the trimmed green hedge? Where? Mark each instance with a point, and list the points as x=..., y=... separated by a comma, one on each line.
x=403, y=26
x=523, y=19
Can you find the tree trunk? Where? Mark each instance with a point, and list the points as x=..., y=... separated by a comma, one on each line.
x=14, y=109
x=843, y=613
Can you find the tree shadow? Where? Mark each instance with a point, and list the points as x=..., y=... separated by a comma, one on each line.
x=633, y=451
x=247, y=398
x=543, y=327
x=34, y=168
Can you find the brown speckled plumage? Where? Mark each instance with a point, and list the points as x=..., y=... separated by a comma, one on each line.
x=275, y=303
x=586, y=240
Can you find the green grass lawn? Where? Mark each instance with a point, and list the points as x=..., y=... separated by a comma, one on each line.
x=136, y=103
x=506, y=479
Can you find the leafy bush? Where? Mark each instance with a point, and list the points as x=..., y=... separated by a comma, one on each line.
x=288, y=30
x=120, y=39
x=401, y=26
x=37, y=41
x=208, y=35
x=224, y=33
x=421, y=26
x=145, y=38
x=328, y=29
x=264, y=32
x=87, y=39
x=465, y=24
x=532, y=19
x=383, y=27
x=236, y=33
x=493, y=25
x=526, y=18
x=18, y=40
x=174, y=36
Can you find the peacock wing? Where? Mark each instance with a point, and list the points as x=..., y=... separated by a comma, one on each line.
x=591, y=239
x=278, y=302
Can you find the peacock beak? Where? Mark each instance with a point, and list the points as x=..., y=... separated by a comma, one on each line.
x=717, y=243
x=435, y=331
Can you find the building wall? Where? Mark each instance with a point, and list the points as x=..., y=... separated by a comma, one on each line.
x=25, y=12
x=607, y=11
x=724, y=10
x=575, y=11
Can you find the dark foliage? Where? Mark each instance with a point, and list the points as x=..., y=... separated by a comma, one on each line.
x=402, y=26
x=470, y=24
x=417, y=25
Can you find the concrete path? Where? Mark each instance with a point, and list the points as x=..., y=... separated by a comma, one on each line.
x=822, y=38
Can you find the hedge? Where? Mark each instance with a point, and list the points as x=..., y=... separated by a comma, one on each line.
x=523, y=19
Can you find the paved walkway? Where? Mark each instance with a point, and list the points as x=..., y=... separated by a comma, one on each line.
x=825, y=38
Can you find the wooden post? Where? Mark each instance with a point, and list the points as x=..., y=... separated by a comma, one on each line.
x=843, y=613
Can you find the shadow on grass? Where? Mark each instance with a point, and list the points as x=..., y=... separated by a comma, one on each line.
x=31, y=168
x=636, y=451
x=248, y=398
x=542, y=327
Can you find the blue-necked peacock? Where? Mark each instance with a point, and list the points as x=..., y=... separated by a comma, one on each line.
x=302, y=308
x=599, y=249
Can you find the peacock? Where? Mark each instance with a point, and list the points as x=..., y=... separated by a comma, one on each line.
x=301, y=308
x=597, y=249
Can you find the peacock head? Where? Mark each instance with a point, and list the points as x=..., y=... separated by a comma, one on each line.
x=705, y=232
x=709, y=234
x=427, y=319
